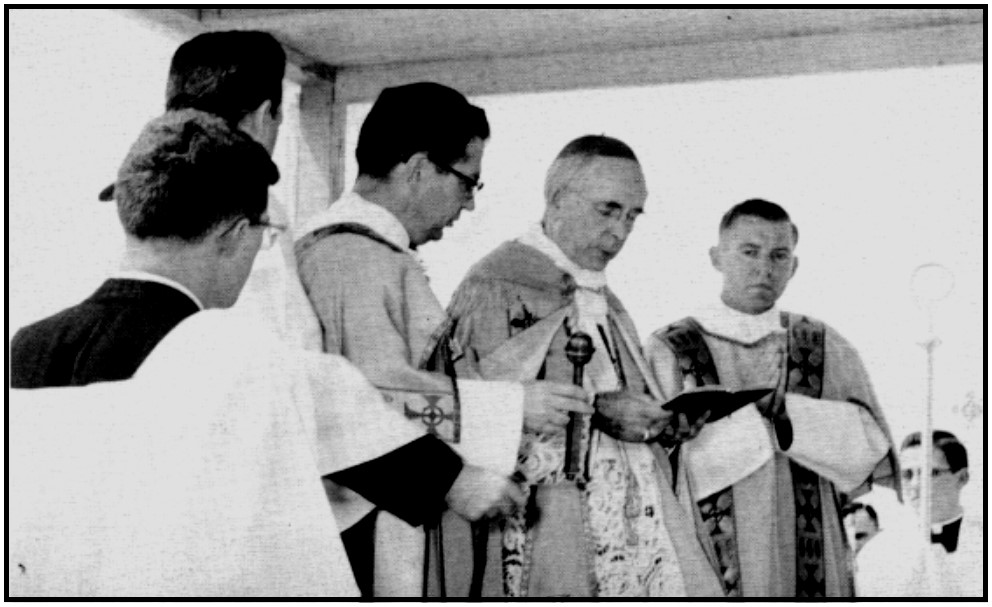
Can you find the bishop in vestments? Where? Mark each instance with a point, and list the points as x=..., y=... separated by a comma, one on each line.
x=602, y=518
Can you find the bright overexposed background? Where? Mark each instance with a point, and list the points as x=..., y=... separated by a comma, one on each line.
x=882, y=171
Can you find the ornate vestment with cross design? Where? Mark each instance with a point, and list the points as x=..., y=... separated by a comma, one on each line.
x=768, y=513
x=621, y=533
x=377, y=309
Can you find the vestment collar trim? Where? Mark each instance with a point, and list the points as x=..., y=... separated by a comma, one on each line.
x=721, y=319
x=586, y=279
x=352, y=208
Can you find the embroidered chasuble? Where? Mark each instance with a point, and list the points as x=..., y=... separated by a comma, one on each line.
x=767, y=496
x=619, y=532
x=376, y=308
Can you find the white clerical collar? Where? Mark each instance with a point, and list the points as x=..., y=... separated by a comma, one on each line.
x=149, y=277
x=939, y=527
x=721, y=319
x=352, y=208
x=536, y=238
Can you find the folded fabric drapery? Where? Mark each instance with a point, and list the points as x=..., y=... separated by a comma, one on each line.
x=198, y=477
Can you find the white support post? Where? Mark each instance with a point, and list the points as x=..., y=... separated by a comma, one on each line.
x=320, y=159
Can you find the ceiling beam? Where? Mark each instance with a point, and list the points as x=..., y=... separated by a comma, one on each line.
x=863, y=50
x=190, y=22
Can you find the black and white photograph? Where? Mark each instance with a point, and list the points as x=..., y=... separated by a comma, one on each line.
x=504, y=303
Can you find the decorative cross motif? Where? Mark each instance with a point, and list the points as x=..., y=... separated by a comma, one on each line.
x=972, y=409
x=432, y=415
x=523, y=320
x=693, y=355
x=806, y=351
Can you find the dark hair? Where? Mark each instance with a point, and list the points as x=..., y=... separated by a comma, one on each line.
x=757, y=207
x=856, y=506
x=189, y=171
x=228, y=74
x=421, y=117
x=954, y=452
x=597, y=145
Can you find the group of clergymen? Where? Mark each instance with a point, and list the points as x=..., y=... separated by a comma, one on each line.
x=195, y=475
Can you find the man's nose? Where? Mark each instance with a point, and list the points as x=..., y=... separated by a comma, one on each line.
x=469, y=202
x=763, y=267
x=620, y=229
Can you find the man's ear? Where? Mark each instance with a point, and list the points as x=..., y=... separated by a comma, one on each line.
x=795, y=266
x=963, y=478
x=414, y=167
x=715, y=257
x=230, y=238
x=254, y=121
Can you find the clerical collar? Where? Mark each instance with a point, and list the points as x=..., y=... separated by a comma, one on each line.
x=586, y=279
x=352, y=208
x=936, y=527
x=947, y=534
x=721, y=319
x=149, y=277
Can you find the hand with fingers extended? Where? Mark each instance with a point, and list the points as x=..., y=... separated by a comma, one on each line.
x=478, y=493
x=629, y=416
x=547, y=405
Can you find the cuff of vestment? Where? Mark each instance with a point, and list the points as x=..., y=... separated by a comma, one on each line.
x=726, y=451
x=492, y=422
x=838, y=440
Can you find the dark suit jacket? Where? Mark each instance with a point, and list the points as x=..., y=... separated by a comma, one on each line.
x=109, y=335
x=104, y=338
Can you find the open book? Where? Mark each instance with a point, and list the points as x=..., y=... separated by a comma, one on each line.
x=719, y=402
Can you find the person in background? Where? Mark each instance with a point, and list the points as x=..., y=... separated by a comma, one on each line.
x=951, y=564
x=861, y=522
x=238, y=76
x=766, y=481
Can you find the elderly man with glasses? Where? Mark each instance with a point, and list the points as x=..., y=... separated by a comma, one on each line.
x=603, y=519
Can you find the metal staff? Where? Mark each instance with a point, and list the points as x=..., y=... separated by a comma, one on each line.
x=930, y=282
x=578, y=351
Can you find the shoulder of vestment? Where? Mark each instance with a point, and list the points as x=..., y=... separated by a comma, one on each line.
x=356, y=254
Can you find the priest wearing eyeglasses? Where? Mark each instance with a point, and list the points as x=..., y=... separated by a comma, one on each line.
x=419, y=162
x=898, y=562
x=602, y=518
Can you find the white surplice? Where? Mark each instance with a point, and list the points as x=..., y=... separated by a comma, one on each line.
x=198, y=477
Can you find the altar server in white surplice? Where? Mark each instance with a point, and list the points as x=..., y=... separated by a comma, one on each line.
x=767, y=483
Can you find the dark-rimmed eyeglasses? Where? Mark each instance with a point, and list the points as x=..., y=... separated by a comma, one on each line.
x=471, y=184
x=909, y=473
